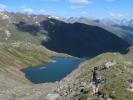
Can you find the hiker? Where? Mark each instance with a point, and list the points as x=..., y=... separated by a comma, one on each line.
x=96, y=80
x=130, y=84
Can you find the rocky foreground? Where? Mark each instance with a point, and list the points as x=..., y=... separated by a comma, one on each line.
x=76, y=86
x=115, y=73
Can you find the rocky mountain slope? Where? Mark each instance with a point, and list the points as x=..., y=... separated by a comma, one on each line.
x=25, y=40
x=80, y=39
x=9, y=32
x=76, y=39
x=120, y=27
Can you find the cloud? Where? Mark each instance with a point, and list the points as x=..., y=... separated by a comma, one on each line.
x=77, y=7
x=28, y=10
x=116, y=14
x=120, y=15
x=46, y=12
x=80, y=1
x=110, y=0
x=84, y=12
x=46, y=0
x=3, y=7
x=65, y=13
x=42, y=11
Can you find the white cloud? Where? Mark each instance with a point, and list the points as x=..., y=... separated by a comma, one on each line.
x=23, y=7
x=3, y=7
x=46, y=0
x=65, y=13
x=42, y=11
x=120, y=15
x=84, y=12
x=116, y=14
x=110, y=0
x=46, y=12
x=77, y=7
x=28, y=10
x=80, y=1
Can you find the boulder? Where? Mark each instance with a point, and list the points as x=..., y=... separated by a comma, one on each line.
x=110, y=64
x=53, y=97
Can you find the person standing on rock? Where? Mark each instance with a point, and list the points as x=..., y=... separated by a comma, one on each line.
x=130, y=84
x=96, y=80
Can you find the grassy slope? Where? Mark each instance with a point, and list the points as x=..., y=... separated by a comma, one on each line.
x=116, y=77
x=22, y=56
x=12, y=59
x=16, y=34
x=12, y=80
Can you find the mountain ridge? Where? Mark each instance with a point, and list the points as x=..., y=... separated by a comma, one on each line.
x=59, y=35
x=21, y=39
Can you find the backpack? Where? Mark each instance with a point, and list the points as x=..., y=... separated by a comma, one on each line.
x=98, y=75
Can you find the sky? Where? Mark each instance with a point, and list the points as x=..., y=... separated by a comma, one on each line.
x=72, y=8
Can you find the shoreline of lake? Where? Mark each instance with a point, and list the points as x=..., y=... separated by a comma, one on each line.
x=52, y=72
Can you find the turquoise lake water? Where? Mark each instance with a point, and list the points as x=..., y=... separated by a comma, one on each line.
x=51, y=72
